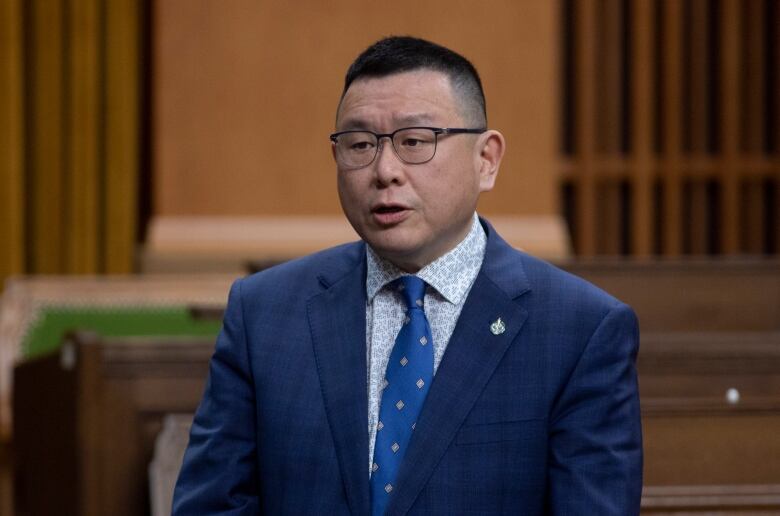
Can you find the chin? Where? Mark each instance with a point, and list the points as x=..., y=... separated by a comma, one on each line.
x=393, y=239
x=409, y=257
x=389, y=249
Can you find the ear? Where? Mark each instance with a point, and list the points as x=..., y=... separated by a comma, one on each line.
x=489, y=151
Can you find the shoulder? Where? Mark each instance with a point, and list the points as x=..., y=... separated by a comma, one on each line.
x=540, y=284
x=561, y=286
x=306, y=275
x=576, y=311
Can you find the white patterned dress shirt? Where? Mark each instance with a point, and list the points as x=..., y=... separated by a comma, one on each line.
x=449, y=279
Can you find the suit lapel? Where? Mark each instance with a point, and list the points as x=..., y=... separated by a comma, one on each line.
x=473, y=353
x=337, y=320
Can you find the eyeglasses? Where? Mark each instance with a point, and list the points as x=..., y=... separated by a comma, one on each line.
x=412, y=145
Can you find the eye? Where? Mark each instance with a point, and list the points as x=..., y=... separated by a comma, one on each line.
x=357, y=142
x=415, y=138
x=411, y=142
x=361, y=145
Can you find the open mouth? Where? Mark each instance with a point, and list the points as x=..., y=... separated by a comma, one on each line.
x=388, y=209
x=389, y=214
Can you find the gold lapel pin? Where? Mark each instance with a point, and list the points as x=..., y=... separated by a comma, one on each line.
x=498, y=327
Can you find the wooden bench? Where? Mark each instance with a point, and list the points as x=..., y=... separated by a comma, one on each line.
x=711, y=422
x=26, y=299
x=86, y=420
x=692, y=295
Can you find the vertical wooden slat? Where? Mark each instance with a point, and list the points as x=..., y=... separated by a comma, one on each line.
x=609, y=121
x=754, y=90
x=731, y=72
x=698, y=88
x=775, y=42
x=47, y=136
x=776, y=214
x=12, y=251
x=753, y=123
x=752, y=198
x=699, y=120
x=642, y=116
x=585, y=130
x=83, y=215
x=609, y=100
x=12, y=256
x=776, y=114
x=121, y=130
x=672, y=133
x=609, y=217
x=698, y=219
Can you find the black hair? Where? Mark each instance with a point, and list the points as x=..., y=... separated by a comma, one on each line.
x=397, y=54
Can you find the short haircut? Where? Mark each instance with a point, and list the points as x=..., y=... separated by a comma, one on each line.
x=397, y=54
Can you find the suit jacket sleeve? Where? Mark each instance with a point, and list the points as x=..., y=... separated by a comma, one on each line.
x=218, y=475
x=595, y=431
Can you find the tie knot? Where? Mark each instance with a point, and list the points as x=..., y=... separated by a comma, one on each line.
x=412, y=289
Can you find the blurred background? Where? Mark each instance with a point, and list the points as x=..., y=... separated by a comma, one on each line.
x=153, y=150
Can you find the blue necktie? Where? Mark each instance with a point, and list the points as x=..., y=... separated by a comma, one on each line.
x=407, y=379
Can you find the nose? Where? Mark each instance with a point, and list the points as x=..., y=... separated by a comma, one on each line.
x=388, y=167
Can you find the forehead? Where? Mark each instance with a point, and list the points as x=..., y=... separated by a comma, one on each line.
x=416, y=97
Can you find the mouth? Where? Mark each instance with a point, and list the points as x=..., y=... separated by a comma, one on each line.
x=388, y=209
x=389, y=214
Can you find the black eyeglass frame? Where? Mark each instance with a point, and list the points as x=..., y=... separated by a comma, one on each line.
x=436, y=132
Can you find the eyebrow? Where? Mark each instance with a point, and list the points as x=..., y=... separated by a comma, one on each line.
x=415, y=119
x=353, y=125
x=412, y=120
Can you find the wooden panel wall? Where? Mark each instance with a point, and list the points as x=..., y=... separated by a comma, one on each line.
x=671, y=136
x=245, y=94
x=69, y=142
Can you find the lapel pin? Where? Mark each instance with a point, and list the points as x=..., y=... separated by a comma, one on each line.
x=498, y=327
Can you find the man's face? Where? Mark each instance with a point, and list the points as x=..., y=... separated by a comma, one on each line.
x=411, y=214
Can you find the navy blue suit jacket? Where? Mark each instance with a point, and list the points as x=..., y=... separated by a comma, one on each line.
x=541, y=419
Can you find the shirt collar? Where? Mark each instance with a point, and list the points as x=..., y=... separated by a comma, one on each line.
x=451, y=274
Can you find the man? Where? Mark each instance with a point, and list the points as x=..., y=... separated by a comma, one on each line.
x=429, y=368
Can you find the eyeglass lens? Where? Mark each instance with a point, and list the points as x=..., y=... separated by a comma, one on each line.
x=413, y=145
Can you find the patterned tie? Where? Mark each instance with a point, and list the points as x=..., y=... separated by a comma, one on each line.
x=407, y=379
